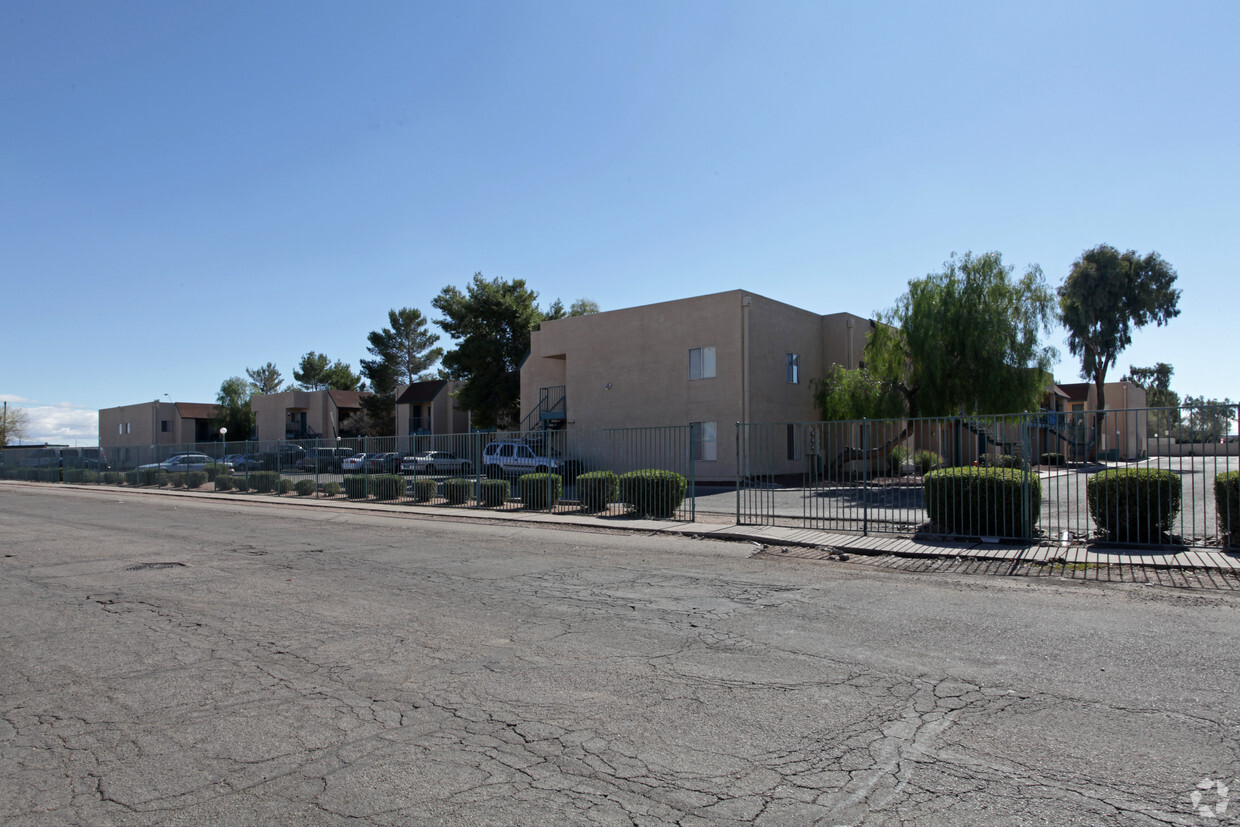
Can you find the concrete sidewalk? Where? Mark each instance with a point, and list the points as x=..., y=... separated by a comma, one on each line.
x=815, y=543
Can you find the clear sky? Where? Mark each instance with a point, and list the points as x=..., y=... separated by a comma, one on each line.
x=188, y=189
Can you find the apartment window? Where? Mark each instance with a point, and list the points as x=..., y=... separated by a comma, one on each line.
x=703, y=437
x=794, y=443
x=120, y=428
x=702, y=363
x=126, y=427
x=793, y=372
x=165, y=426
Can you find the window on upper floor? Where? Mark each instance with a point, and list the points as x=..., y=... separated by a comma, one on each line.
x=793, y=368
x=702, y=363
x=703, y=436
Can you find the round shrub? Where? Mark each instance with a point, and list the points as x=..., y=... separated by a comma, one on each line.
x=987, y=502
x=495, y=493
x=83, y=475
x=284, y=485
x=113, y=477
x=387, y=486
x=176, y=479
x=1000, y=461
x=152, y=476
x=355, y=487
x=539, y=492
x=896, y=459
x=423, y=490
x=331, y=489
x=458, y=491
x=1227, y=506
x=653, y=492
x=242, y=482
x=597, y=489
x=195, y=479
x=1053, y=459
x=305, y=488
x=1134, y=505
x=214, y=469
x=224, y=482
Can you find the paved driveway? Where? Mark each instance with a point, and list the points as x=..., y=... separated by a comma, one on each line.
x=171, y=661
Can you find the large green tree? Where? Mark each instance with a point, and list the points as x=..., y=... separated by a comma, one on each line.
x=232, y=408
x=316, y=372
x=404, y=352
x=856, y=394
x=490, y=321
x=1156, y=382
x=1105, y=297
x=1207, y=420
x=966, y=340
x=267, y=379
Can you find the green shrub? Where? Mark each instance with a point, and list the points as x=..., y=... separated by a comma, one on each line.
x=152, y=476
x=214, y=469
x=896, y=459
x=113, y=477
x=331, y=489
x=1000, y=461
x=597, y=489
x=983, y=501
x=423, y=490
x=458, y=491
x=241, y=482
x=284, y=485
x=224, y=482
x=264, y=482
x=539, y=492
x=926, y=461
x=1053, y=459
x=195, y=479
x=1227, y=506
x=355, y=487
x=494, y=493
x=84, y=475
x=1134, y=505
x=387, y=486
x=653, y=492
x=305, y=488
x=176, y=479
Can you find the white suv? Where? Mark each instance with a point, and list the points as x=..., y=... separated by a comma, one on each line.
x=513, y=457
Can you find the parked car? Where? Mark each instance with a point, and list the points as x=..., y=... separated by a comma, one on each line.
x=436, y=462
x=96, y=459
x=507, y=458
x=191, y=461
x=385, y=463
x=232, y=459
x=353, y=464
x=324, y=460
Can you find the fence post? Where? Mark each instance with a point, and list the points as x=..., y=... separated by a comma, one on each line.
x=738, y=466
x=865, y=488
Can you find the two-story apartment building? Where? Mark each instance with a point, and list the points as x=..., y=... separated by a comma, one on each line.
x=708, y=361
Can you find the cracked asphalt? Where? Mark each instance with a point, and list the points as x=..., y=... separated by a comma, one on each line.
x=197, y=662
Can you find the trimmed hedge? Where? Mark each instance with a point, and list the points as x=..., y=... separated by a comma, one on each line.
x=176, y=479
x=597, y=489
x=195, y=479
x=331, y=489
x=214, y=469
x=81, y=475
x=1134, y=505
x=264, y=482
x=386, y=486
x=224, y=482
x=355, y=487
x=983, y=502
x=423, y=490
x=146, y=476
x=458, y=491
x=653, y=492
x=284, y=485
x=1000, y=461
x=539, y=492
x=242, y=482
x=1227, y=506
x=113, y=477
x=495, y=493
x=305, y=488
x=1054, y=459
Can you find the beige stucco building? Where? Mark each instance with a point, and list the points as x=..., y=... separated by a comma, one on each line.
x=427, y=408
x=708, y=361
x=301, y=414
x=127, y=428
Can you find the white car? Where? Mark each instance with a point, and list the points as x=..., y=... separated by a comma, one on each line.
x=353, y=464
x=436, y=462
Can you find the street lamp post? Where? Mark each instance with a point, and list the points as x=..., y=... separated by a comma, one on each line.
x=223, y=433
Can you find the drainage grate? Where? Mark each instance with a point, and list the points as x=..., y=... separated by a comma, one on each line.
x=142, y=566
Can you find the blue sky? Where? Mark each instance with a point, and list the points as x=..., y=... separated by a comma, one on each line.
x=189, y=189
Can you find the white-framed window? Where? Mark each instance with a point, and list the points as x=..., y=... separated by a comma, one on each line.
x=703, y=435
x=702, y=363
x=120, y=428
x=793, y=369
x=126, y=427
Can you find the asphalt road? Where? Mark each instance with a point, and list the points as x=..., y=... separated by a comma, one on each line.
x=175, y=661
